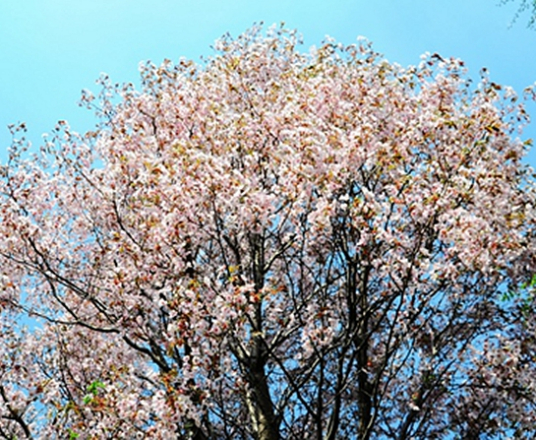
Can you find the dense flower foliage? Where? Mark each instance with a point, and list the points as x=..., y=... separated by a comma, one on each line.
x=270, y=245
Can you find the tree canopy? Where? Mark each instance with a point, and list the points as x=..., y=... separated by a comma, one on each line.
x=273, y=244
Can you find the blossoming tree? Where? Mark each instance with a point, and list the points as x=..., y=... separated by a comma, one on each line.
x=273, y=245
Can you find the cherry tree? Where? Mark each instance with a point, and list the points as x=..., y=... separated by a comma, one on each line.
x=273, y=244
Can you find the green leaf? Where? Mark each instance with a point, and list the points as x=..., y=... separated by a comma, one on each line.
x=94, y=387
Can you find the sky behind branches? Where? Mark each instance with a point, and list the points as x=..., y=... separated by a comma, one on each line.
x=52, y=49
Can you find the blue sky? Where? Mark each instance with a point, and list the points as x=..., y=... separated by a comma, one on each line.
x=52, y=49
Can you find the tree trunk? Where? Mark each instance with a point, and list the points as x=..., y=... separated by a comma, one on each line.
x=260, y=406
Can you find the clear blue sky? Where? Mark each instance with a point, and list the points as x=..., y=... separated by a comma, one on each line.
x=52, y=49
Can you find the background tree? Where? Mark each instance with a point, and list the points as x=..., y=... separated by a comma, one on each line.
x=524, y=6
x=273, y=245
